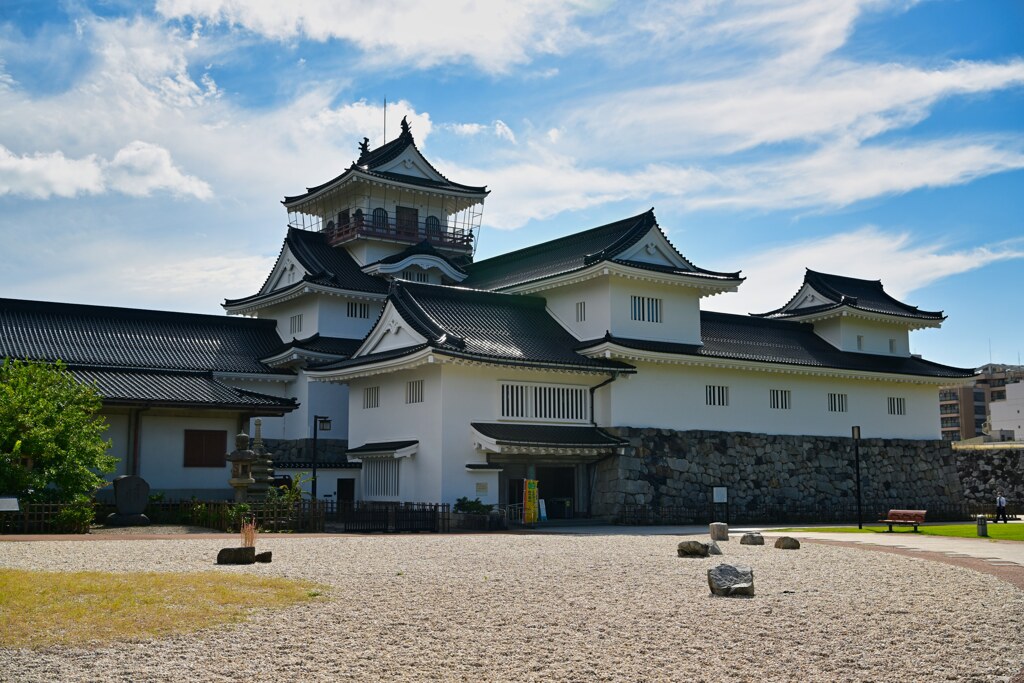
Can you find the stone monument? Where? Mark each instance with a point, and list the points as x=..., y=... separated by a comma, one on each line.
x=262, y=466
x=131, y=495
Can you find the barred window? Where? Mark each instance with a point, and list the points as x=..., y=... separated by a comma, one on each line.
x=581, y=311
x=716, y=395
x=205, y=447
x=892, y=346
x=414, y=391
x=837, y=403
x=897, y=405
x=358, y=310
x=645, y=309
x=780, y=399
x=565, y=403
x=415, y=275
x=295, y=323
x=860, y=342
x=371, y=397
x=380, y=478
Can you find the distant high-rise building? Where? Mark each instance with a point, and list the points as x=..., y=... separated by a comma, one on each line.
x=963, y=410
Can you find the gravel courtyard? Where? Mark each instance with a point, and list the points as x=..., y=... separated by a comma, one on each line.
x=557, y=608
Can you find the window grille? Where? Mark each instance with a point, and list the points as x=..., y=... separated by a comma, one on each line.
x=837, y=403
x=898, y=406
x=892, y=346
x=380, y=478
x=414, y=391
x=565, y=403
x=358, y=310
x=379, y=220
x=433, y=225
x=296, y=323
x=371, y=397
x=780, y=399
x=716, y=395
x=951, y=422
x=860, y=342
x=645, y=309
x=415, y=276
x=581, y=311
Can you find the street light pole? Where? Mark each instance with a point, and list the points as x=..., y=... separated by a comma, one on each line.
x=320, y=423
x=856, y=465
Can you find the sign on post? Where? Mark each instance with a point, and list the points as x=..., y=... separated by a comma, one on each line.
x=529, y=501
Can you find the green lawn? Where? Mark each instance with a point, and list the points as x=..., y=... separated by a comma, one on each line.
x=1004, y=532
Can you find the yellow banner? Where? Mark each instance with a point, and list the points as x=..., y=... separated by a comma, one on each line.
x=529, y=501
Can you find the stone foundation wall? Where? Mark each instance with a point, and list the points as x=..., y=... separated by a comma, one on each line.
x=665, y=468
x=301, y=450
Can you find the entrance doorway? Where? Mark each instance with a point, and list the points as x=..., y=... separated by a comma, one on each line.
x=557, y=487
x=346, y=490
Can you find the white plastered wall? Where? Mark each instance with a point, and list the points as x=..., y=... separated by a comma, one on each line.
x=674, y=397
x=596, y=297
x=680, y=312
x=842, y=333
x=1008, y=414
x=118, y=434
x=162, y=452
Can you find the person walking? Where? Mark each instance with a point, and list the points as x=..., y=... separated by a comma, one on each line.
x=1001, y=508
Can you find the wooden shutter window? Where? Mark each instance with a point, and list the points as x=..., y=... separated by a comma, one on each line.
x=205, y=447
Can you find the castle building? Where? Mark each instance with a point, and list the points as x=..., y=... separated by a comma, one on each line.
x=449, y=377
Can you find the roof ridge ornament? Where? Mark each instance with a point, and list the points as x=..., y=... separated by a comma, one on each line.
x=364, y=147
x=406, y=129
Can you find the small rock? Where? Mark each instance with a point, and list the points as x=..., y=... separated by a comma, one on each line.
x=752, y=538
x=692, y=549
x=236, y=556
x=787, y=543
x=264, y=557
x=719, y=531
x=729, y=580
x=713, y=549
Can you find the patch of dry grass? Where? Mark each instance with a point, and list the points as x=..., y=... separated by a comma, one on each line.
x=40, y=609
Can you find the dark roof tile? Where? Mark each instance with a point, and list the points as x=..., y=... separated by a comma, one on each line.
x=547, y=435
x=179, y=389
x=865, y=295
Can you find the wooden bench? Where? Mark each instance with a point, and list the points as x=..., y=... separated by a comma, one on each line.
x=904, y=518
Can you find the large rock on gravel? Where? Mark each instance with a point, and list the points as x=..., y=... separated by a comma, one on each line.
x=787, y=543
x=237, y=556
x=719, y=531
x=692, y=549
x=265, y=557
x=713, y=549
x=731, y=580
x=752, y=538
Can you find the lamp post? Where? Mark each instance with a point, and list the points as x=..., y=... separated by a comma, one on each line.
x=856, y=467
x=321, y=423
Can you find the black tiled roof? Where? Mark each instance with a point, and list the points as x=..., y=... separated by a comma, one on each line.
x=326, y=265
x=381, y=447
x=547, y=435
x=370, y=160
x=866, y=295
x=126, y=338
x=490, y=326
x=740, y=337
x=571, y=253
x=336, y=346
x=178, y=389
x=424, y=248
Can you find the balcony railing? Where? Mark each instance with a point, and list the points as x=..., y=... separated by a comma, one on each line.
x=399, y=230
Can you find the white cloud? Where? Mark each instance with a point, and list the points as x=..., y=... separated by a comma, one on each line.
x=40, y=176
x=903, y=264
x=466, y=129
x=502, y=130
x=138, y=169
x=495, y=35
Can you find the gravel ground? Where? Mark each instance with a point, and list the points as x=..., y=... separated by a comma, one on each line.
x=558, y=608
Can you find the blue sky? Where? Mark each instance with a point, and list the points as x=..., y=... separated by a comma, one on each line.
x=144, y=147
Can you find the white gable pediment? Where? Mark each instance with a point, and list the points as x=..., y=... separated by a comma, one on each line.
x=655, y=248
x=425, y=262
x=807, y=297
x=411, y=162
x=287, y=271
x=391, y=332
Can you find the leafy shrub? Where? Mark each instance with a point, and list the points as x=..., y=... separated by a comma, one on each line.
x=472, y=507
x=75, y=517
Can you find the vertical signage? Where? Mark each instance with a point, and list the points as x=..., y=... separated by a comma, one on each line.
x=529, y=501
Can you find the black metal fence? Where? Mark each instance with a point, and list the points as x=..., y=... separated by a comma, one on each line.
x=755, y=513
x=370, y=516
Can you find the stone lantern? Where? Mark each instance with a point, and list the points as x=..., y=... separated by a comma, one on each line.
x=262, y=466
x=241, y=467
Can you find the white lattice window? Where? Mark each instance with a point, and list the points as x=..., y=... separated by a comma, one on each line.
x=414, y=391
x=555, y=402
x=716, y=395
x=380, y=478
x=837, y=403
x=295, y=323
x=897, y=405
x=371, y=397
x=645, y=309
x=358, y=310
x=780, y=399
x=415, y=276
x=581, y=311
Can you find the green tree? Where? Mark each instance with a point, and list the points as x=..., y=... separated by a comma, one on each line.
x=51, y=434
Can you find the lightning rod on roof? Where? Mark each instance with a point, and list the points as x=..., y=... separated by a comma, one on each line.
x=385, y=120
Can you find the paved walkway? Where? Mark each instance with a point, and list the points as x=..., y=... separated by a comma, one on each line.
x=1005, y=553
